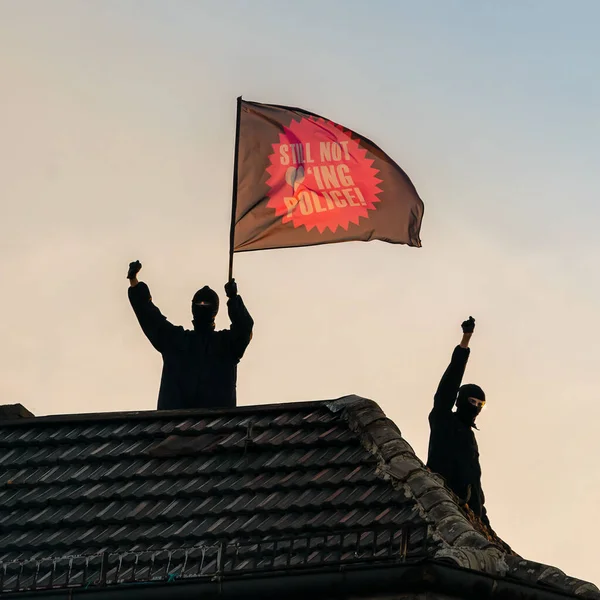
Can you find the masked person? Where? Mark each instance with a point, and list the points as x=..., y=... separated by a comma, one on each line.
x=453, y=451
x=199, y=365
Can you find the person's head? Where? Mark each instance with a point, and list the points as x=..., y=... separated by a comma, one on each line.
x=469, y=402
x=205, y=306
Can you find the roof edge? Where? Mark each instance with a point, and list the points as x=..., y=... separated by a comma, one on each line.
x=357, y=581
x=165, y=414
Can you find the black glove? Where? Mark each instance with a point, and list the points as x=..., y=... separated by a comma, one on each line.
x=468, y=326
x=231, y=289
x=134, y=269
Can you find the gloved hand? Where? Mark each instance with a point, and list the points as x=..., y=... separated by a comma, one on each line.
x=231, y=289
x=468, y=326
x=134, y=269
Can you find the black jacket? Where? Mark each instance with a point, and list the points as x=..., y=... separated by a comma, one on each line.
x=199, y=367
x=453, y=451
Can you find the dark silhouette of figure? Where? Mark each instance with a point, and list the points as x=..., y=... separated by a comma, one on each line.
x=453, y=451
x=199, y=365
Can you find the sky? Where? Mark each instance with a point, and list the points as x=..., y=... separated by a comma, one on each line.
x=117, y=124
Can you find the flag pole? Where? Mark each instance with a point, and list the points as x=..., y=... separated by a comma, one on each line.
x=235, y=186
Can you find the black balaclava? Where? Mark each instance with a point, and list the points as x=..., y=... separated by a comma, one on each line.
x=465, y=411
x=204, y=314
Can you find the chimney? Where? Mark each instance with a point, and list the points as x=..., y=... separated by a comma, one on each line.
x=11, y=412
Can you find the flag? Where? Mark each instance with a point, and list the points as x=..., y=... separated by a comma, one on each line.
x=303, y=180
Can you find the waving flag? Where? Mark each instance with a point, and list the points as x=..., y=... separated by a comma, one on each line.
x=302, y=180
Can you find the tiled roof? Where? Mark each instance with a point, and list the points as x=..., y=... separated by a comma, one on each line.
x=110, y=498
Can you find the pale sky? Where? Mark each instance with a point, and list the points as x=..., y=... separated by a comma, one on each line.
x=116, y=144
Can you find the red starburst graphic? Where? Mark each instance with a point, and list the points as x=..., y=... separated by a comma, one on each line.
x=320, y=177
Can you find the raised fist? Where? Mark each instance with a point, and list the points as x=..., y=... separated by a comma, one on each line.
x=134, y=269
x=468, y=326
x=231, y=289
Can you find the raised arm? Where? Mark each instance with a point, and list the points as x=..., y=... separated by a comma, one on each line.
x=153, y=323
x=241, y=321
x=445, y=395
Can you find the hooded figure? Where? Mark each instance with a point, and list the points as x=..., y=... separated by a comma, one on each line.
x=199, y=365
x=453, y=451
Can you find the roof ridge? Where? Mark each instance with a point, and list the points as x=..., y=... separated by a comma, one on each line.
x=462, y=543
x=141, y=415
x=461, y=534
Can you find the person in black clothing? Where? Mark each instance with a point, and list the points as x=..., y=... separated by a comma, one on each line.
x=453, y=451
x=199, y=366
